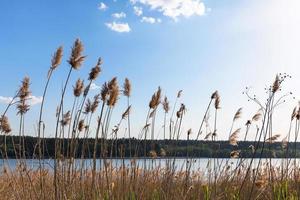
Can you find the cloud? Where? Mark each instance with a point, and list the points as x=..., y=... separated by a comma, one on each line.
x=35, y=100
x=32, y=100
x=102, y=6
x=150, y=20
x=119, y=27
x=138, y=10
x=5, y=100
x=175, y=8
x=119, y=15
x=94, y=86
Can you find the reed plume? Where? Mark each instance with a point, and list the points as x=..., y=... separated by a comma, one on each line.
x=81, y=125
x=234, y=154
x=66, y=119
x=155, y=100
x=113, y=93
x=95, y=103
x=95, y=71
x=76, y=57
x=127, y=88
x=294, y=114
x=56, y=58
x=257, y=116
x=88, y=105
x=179, y=93
x=238, y=114
x=78, y=88
x=273, y=138
x=166, y=105
x=104, y=92
x=166, y=108
x=23, y=95
x=233, y=137
x=126, y=113
x=217, y=101
x=276, y=84
x=4, y=125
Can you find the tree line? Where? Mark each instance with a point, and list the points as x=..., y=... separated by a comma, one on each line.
x=133, y=147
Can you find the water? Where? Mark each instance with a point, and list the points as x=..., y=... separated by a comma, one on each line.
x=196, y=164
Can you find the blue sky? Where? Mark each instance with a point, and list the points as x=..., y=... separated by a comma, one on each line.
x=197, y=46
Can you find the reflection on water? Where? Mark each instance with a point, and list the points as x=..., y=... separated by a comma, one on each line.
x=195, y=164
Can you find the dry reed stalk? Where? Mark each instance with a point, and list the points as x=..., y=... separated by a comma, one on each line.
x=75, y=62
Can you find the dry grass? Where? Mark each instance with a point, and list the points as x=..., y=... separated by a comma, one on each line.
x=68, y=181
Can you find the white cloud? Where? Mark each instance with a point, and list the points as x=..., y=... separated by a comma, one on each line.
x=94, y=86
x=150, y=20
x=102, y=6
x=119, y=27
x=119, y=15
x=5, y=100
x=138, y=10
x=175, y=8
x=32, y=100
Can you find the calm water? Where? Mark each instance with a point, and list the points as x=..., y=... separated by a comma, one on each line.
x=196, y=164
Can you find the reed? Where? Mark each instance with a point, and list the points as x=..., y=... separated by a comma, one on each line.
x=87, y=169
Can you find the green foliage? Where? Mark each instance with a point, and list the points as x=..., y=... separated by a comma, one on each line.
x=281, y=191
x=206, y=192
x=172, y=148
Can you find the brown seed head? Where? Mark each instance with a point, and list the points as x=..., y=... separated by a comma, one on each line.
x=81, y=125
x=22, y=108
x=86, y=90
x=273, y=138
x=66, y=118
x=76, y=57
x=95, y=103
x=233, y=137
x=214, y=95
x=257, y=116
x=153, y=154
x=96, y=70
x=88, y=106
x=238, y=114
x=4, y=125
x=24, y=91
x=166, y=105
x=78, y=88
x=155, y=100
x=113, y=94
x=127, y=88
x=276, y=84
x=294, y=114
x=56, y=58
x=179, y=93
x=217, y=102
x=234, y=154
x=112, y=83
x=104, y=92
x=126, y=113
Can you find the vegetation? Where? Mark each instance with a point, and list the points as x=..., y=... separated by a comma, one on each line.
x=73, y=138
x=164, y=148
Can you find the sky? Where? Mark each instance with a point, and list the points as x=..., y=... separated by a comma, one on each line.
x=197, y=46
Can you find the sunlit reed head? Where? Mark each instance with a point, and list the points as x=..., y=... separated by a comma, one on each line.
x=78, y=88
x=127, y=88
x=95, y=71
x=76, y=57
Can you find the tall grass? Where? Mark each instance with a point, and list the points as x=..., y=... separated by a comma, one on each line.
x=73, y=176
